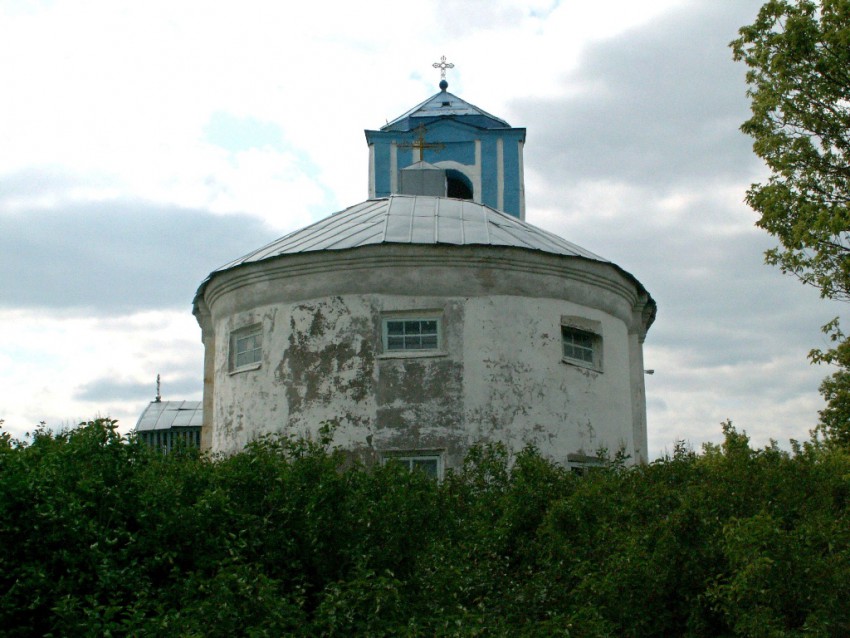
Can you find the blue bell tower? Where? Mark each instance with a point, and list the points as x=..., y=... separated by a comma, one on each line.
x=449, y=148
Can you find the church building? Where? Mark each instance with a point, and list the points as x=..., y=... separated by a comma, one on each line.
x=429, y=317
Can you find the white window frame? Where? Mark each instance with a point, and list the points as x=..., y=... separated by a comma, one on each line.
x=410, y=458
x=591, y=333
x=403, y=351
x=581, y=463
x=240, y=337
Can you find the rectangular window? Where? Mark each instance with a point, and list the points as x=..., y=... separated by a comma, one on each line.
x=246, y=348
x=581, y=463
x=577, y=344
x=431, y=464
x=581, y=347
x=411, y=334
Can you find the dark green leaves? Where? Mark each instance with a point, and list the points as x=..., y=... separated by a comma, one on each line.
x=798, y=58
x=102, y=536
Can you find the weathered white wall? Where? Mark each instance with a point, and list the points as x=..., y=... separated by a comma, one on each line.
x=520, y=391
x=499, y=377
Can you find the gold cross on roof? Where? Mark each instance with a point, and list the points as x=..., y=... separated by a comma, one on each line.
x=420, y=144
x=443, y=65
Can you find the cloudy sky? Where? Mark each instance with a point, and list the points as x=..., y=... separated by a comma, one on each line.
x=143, y=144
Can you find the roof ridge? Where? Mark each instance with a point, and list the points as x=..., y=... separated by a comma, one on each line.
x=412, y=216
x=487, y=227
x=462, y=225
x=437, y=220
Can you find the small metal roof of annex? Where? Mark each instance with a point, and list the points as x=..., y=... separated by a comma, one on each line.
x=164, y=415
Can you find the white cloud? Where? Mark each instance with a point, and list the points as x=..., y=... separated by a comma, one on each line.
x=48, y=359
x=773, y=399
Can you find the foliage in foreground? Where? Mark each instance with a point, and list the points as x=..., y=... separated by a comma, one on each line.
x=102, y=536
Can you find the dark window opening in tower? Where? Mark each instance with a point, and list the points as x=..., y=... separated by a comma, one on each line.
x=458, y=185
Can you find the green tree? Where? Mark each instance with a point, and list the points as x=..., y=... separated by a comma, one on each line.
x=798, y=58
x=102, y=536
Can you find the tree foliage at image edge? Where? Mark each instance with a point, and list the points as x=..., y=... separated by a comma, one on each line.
x=798, y=58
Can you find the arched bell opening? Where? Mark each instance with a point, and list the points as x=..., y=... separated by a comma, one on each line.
x=458, y=185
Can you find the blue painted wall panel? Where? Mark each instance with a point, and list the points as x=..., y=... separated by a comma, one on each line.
x=489, y=172
x=382, y=170
x=458, y=135
x=512, y=177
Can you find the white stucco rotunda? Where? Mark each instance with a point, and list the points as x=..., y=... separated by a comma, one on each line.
x=420, y=324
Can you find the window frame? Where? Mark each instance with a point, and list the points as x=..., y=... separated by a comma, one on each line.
x=582, y=463
x=584, y=329
x=240, y=335
x=410, y=457
x=409, y=317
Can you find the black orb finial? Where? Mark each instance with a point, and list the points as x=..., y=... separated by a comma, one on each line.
x=443, y=85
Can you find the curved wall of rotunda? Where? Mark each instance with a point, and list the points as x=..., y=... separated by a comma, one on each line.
x=419, y=351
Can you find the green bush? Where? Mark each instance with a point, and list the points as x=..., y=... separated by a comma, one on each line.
x=100, y=536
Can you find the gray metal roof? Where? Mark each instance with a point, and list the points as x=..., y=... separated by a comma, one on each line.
x=444, y=104
x=416, y=219
x=163, y=415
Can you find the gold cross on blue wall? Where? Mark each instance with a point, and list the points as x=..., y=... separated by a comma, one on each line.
x=420, y=144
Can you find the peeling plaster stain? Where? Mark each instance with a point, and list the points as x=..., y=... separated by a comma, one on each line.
x=329, y=354
x=272, y=319
x=412, y=394
x=588, y=435
x=318, y=326
x=513, y=391
x=590, y=374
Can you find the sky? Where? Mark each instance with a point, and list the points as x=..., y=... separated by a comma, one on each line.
x=144, y=144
